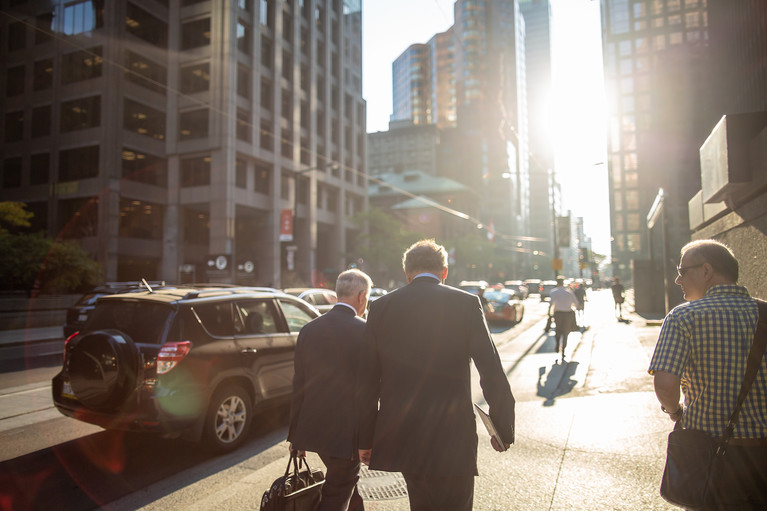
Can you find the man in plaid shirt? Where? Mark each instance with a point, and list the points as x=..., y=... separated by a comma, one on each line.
x=702, y=348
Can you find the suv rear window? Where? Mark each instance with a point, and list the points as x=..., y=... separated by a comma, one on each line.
x=144, y=322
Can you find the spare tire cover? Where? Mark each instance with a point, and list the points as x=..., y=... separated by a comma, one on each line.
x=102, y=368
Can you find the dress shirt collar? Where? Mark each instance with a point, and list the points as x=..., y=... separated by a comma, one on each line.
x=720, y=289
x=427, y=274
x=347, y=305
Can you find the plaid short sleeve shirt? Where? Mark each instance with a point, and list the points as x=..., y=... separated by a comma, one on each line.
x=706, y=343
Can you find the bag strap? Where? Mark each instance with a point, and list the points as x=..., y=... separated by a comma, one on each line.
x=753, y=363
x=297, y=464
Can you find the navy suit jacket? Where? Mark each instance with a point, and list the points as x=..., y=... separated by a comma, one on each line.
x=322, y=412
x=418, y=345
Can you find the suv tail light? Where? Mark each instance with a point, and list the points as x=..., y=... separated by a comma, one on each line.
x=171, y=354
x=70, y=338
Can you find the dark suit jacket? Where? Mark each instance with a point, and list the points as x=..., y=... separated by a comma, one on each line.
x=418, y=344
x=322, y=413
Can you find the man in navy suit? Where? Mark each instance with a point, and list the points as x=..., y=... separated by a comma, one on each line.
x=417, y=351
x=322, y=413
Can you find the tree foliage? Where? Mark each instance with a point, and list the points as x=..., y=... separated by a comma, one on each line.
x=33, y=261
x=14, y=216
x=379, y=249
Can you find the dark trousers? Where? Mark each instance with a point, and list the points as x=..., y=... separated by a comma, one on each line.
x=564, y=321
x=340, y=485
x=440, y=493
x=740, y=483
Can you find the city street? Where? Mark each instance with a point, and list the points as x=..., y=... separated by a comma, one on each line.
x=590, y=436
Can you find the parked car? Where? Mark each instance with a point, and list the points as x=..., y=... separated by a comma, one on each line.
x=376, y=293
x=473, y=286
x=545, y=287
x=77, y=315
x=533, y=286
x=323, y=299
x=518, y=288
x=189, y=362
x=502, y=305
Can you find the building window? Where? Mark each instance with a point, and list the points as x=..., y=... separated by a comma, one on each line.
x=140, y=219
x=287, y=65
x=266, y=94
x=196, y=227
x=266, y=52
x=144, y=168
x=193, y=124
x=41, y=121
x=267, y=135
x=287, y=27
x=195, y=171
x=14, y=126
x=40, y=169
x=243, y=125
x=44, y=28
x=145, y=26
x=243, y=81
x=78, y=218
x=80, y=114
x=195, y=78
x=244, y=37
x=80, y=17
x=79, y=163
x=146, y=73
x=287, y=105
x=81, y=65
x=195, y=34
x=12, y=172
x=263, y=175
x=14, y=81
x=43, y=75
x=143, y=120
x=17, y=36
x=240, y=174
x=286, y=144
x=266, y=13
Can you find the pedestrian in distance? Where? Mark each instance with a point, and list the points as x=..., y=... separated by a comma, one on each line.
x=563, y=302
x=579, y=290
x=418, y=346
x=322, y=412
x=702, y=348
x=618, y=290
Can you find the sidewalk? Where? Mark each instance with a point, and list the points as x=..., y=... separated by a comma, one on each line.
x=590, y=434
x=22, y=336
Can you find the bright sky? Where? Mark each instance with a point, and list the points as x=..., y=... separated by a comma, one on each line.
x=579, y=119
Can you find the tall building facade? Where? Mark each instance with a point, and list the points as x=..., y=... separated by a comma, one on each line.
x=655, y=57
x=537, y=15
x=476, y=93
x=171, y=137
x=733, y=198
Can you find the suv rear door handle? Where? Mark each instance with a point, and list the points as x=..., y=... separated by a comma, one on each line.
x=250, y=350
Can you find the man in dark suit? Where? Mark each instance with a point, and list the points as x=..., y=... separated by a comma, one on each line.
x=418, y=346
x=322, y=413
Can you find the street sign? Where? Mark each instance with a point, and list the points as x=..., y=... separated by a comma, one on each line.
x=556, y=264
x=286, y=225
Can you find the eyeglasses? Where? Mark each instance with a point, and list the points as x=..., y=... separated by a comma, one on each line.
x=681, y=271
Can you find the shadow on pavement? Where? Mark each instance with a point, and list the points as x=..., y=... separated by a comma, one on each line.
x=559, y=381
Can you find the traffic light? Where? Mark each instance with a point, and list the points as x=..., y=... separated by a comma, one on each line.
x=584, y=255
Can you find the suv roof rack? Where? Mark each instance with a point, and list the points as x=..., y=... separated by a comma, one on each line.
x=227, y=290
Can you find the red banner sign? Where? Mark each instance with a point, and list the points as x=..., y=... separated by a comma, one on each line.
x=286, y=225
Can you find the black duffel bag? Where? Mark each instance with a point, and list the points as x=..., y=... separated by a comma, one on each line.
x=299, y=490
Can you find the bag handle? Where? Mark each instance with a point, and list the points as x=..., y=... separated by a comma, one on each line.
x=753, y=363
x=297, y=462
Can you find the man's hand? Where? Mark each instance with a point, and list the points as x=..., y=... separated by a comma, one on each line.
x=497, y=446
x=299, y=453
x=365, y=456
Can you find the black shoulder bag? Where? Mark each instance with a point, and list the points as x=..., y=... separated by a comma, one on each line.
x=691, y=455
x=299, y=490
